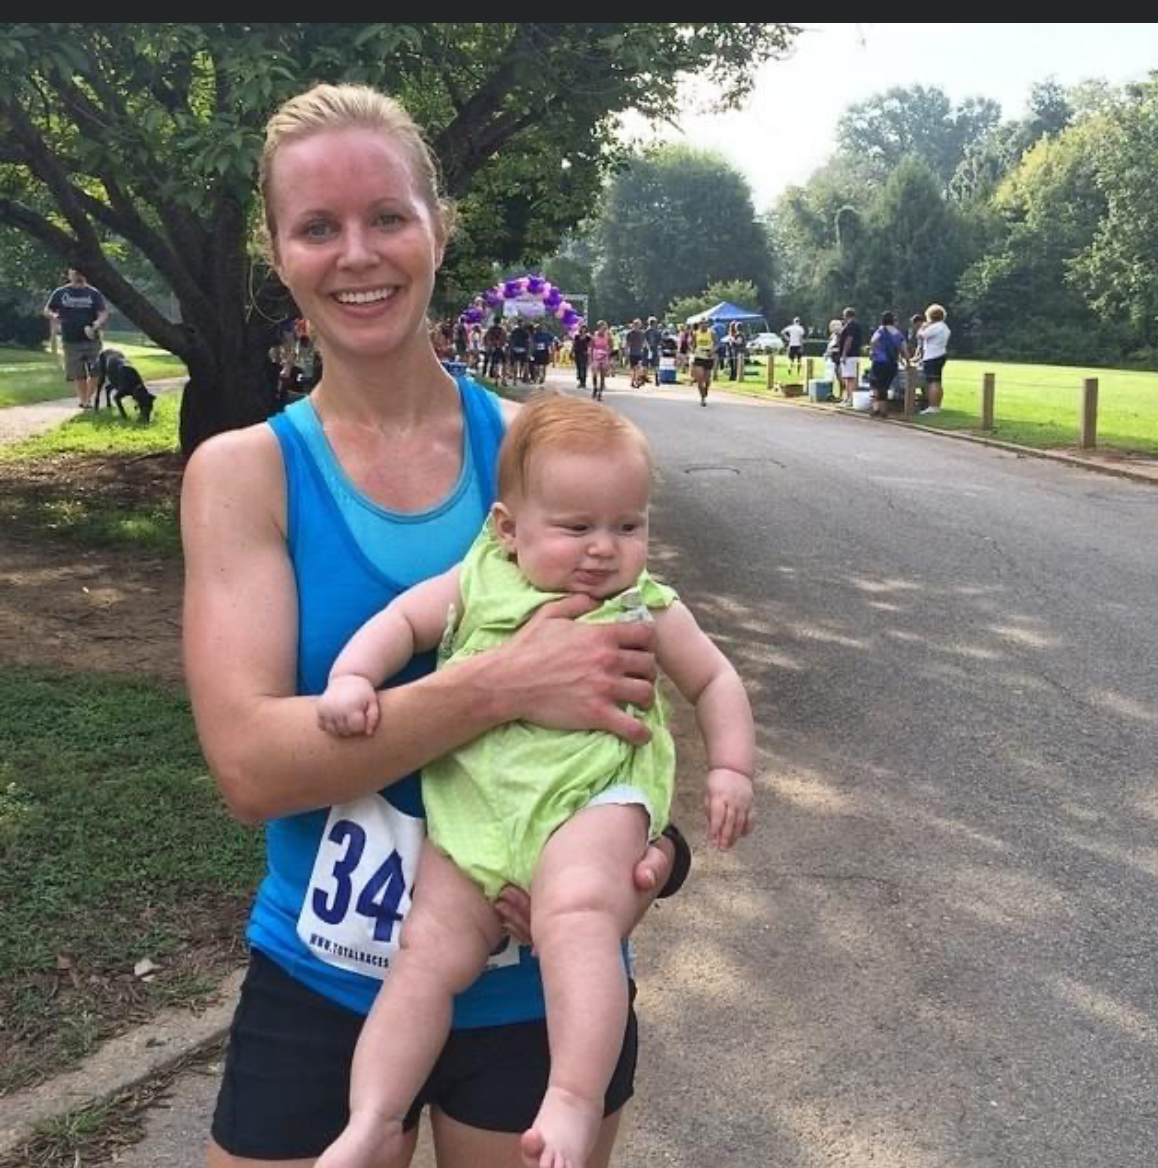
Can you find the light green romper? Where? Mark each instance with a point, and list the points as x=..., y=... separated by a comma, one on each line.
x=492, y=805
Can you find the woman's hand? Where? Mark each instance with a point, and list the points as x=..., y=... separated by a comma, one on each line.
x=650, y=876
x=560, y=673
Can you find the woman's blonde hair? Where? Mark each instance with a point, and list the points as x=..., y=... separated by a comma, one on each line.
x=555, y=422
x=337, y=107
x=935, y=312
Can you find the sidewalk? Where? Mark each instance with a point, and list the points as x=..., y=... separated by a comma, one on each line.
x=19, y=422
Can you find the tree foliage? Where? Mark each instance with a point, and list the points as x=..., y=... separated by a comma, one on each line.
x=673, y=222
x=150, y=134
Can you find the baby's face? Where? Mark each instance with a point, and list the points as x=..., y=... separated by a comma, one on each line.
x=581, y=523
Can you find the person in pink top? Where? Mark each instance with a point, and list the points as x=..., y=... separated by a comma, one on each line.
x=600, y=359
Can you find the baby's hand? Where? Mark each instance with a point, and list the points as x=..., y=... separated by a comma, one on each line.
x=348, y=707
x=728, y=806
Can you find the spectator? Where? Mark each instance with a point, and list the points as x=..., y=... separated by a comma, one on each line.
x=851, y=341
x=793, y=335
x=653, y=335
x=737, y=351
x=886, y=349
x=832, y=357
x=934, y=336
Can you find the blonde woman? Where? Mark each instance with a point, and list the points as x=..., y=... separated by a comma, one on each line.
x=296, y=531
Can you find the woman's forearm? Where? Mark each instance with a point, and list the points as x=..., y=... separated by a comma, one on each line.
x=277, y=761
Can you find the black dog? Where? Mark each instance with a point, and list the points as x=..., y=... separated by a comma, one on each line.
x=119, y=380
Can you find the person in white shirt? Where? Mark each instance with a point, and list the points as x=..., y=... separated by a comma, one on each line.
x=934, y=342
x=793, y=335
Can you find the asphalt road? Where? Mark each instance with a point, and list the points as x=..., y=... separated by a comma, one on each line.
x=937, y=951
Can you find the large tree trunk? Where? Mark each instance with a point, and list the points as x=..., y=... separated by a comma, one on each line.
x=226, y=389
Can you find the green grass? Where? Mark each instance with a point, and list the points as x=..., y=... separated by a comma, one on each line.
x=1034, y=405
x=1039, y=405
x=102, y=788
x=35, y=375
x=99, y=480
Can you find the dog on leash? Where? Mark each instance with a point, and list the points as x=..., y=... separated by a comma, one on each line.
x=119, y=380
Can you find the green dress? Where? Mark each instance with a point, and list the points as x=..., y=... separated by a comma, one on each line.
x=492, y=804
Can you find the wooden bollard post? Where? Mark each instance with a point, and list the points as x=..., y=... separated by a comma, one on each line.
x=770, y=381
x=807, y=372
x=1088, y=438
x=910, y=390
x=988, y=392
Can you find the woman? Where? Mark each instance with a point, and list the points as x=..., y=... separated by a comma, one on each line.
x=602, y=348
x=832, y=358
x=737, y=351
x=704, y=353
x=887, y=348
x=934, y=335
x=296, y=531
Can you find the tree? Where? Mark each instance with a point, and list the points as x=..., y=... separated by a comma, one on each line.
x=813, y=270
x=1119, y=266
x=741, y=293
x=913, y=247
x=1022, y=298
x=151, y=134
x=919, y=121
x=988, y=159
x=672, y=222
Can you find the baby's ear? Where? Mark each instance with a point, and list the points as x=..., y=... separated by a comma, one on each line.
x=504, y=524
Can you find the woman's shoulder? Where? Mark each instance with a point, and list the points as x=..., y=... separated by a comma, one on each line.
x=236, y=462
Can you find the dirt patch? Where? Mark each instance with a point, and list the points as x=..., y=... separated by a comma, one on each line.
x=113, y=609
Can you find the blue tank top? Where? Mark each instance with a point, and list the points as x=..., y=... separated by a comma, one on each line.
x=350, y=559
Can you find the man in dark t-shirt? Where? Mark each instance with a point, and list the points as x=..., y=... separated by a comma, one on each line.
x=79, y=311
x=851, y=342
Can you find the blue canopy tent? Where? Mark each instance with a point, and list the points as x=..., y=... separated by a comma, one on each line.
x=724, y=313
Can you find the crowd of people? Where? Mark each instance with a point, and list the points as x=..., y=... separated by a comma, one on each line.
x=893, y=356
x=517, y=350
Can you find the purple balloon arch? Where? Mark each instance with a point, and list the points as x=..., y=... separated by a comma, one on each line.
x=522, y=287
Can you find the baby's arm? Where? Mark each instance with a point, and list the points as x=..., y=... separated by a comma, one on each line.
x=409, y=624
x=707, y=679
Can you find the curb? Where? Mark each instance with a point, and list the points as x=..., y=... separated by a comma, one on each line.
x=119, y=1064
x=1106, y=468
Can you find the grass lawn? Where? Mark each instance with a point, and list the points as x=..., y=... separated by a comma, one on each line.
x=102, y=791
x=35, y=375
x=114, y=844
x=1034, y=405
x=88, y=480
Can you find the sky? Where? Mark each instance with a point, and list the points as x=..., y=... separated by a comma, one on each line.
x=787, y=126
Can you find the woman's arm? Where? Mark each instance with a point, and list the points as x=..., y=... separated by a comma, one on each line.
x=262, y=742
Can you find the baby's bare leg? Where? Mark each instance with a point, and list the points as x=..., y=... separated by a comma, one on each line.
x=449, y=932
x=583, y=903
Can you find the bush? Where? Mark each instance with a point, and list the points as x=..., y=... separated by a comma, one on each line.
x=21, y=326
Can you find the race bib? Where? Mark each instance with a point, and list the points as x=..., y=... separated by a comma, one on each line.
x=361, y=887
